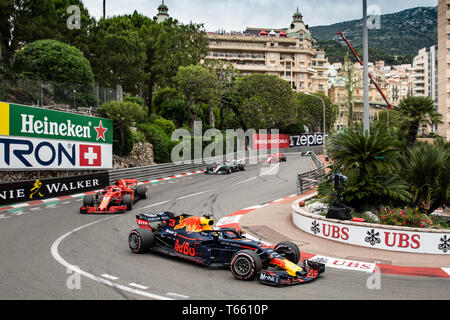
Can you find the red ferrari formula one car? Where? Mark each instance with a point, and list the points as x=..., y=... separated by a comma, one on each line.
x=276, y=157
x=114, y=199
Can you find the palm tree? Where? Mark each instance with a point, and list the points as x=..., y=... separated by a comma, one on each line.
x=370, y=163
x=417, y=110
x=369, y=153
x=427, y=171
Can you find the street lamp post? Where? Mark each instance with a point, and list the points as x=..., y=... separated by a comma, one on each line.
x=366, y=120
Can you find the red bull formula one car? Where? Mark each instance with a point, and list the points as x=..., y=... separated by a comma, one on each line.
x=196, y=239
x=117, y=198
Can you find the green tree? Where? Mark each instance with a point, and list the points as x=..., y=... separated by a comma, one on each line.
x=263, y=102
x=55, y=61
x=25, y=21
x=169, y=45
x=124, y=115
x=197, y=84
x=118, y=54
x=226, y=74
x=348, y=74
x=417, y=110
x=310, y=109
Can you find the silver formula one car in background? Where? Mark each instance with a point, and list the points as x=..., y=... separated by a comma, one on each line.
x=225, y=167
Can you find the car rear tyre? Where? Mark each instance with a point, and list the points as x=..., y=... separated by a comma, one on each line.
x=288, y=250
x=141, y=240
x=141, y=191
x=245, y=264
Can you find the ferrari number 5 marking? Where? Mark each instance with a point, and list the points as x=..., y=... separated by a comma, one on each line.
x=185, y=248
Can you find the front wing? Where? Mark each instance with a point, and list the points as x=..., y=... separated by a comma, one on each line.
x=111, y=210
x=281, y=278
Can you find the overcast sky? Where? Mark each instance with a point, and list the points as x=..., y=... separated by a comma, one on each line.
x=236, y=15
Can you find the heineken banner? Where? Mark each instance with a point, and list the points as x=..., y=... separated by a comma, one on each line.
x=35, y=190
x=35, y=138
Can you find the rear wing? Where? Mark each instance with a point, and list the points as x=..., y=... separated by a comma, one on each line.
x=144, y=219
x=155, y=217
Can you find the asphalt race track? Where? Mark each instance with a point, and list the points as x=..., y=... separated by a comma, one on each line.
x=42, y=245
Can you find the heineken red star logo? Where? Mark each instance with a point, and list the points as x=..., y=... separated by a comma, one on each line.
x=100, y=131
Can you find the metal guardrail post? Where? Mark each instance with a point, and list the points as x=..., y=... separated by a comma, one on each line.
x=299, y=185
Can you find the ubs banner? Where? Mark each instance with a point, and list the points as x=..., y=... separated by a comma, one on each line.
x=35, y=138
x=33, y=190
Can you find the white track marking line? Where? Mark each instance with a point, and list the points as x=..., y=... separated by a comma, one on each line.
x=58, y=258
x=192, y=195
x=20, y=205
x=137, y=285
x=176, y=295
x=447, y=270
x=110, y=277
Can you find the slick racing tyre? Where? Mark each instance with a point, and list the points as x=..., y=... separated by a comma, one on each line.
x=88, y=200
x=245, y=264
x=128, y=202
x=288, y=250
x=141, y=240
x=141, y=191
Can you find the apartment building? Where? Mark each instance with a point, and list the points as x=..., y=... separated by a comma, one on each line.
x=425, y=73
x=444, y=67
x=287, y=53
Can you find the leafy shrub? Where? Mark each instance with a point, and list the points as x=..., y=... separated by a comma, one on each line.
x=162, y=145
x=138, y=136
x=167, y=125
x=123, y=144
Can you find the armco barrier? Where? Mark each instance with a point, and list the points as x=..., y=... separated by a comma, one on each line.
x=167, y=169
x=309, y=180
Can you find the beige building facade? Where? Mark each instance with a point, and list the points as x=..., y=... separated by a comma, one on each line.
x=287, y=53
x=444, y=67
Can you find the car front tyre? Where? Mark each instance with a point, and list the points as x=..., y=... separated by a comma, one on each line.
x=245, y=265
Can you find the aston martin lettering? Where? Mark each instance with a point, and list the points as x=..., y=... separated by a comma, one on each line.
x=37, y=153
x=44, y=153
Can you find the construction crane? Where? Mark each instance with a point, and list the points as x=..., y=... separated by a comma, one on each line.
x=362, y=64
